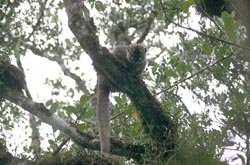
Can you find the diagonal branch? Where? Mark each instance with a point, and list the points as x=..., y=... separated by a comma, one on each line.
x=147, y=28
x=84, y=140
x=39, y=20
x=195, y=74
x=160, y=127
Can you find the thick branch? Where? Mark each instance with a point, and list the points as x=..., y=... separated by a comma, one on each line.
x=82, y=139
x=156, y=123
x=45, y=115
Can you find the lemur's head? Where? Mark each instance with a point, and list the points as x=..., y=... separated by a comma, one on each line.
x=136, y=53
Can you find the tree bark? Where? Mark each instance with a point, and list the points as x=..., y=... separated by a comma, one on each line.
x=82, y=139
x=160, y=127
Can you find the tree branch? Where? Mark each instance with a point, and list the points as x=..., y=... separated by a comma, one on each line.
x=201, y=33
x=80, y=83
x=84, y=140
x=147, y=28
x=39, y=20
x=195, y=74
x=159, y=126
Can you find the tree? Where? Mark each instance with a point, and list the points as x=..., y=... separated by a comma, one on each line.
x=210, y=61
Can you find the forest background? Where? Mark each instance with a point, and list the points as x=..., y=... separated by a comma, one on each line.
x=189, y=107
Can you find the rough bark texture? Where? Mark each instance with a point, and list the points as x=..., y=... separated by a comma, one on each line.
x=159, y=126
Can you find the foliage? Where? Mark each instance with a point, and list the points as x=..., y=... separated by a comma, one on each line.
x=203, y=60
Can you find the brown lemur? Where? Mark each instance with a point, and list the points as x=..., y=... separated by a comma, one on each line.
x=133, y=58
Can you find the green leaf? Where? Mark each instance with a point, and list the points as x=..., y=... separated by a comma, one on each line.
x=181, y=67
x=230, y=26
x=186, y=4
x=189, y=68
x=219, y=52
x=228, y=22
x=232, y=36
x=88, y=113
x=217, y=73
x=71, y=109
x=171, y=73
x=226, y=63
x=120, y=99
x=51, y=142
x=55, y=106
x=206, y=48
x=84, y=99
x=83, y=126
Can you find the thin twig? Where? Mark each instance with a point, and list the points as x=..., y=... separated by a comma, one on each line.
x=42, y=9
x=60, y=146
x=147, y=28
x=193, y=75
x=80, y=83
x=205, y=35
x=212, y=37
x=119, y=114
x=201, y=33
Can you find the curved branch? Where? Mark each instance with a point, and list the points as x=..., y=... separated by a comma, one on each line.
x=160, y=127
x=80, y=83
